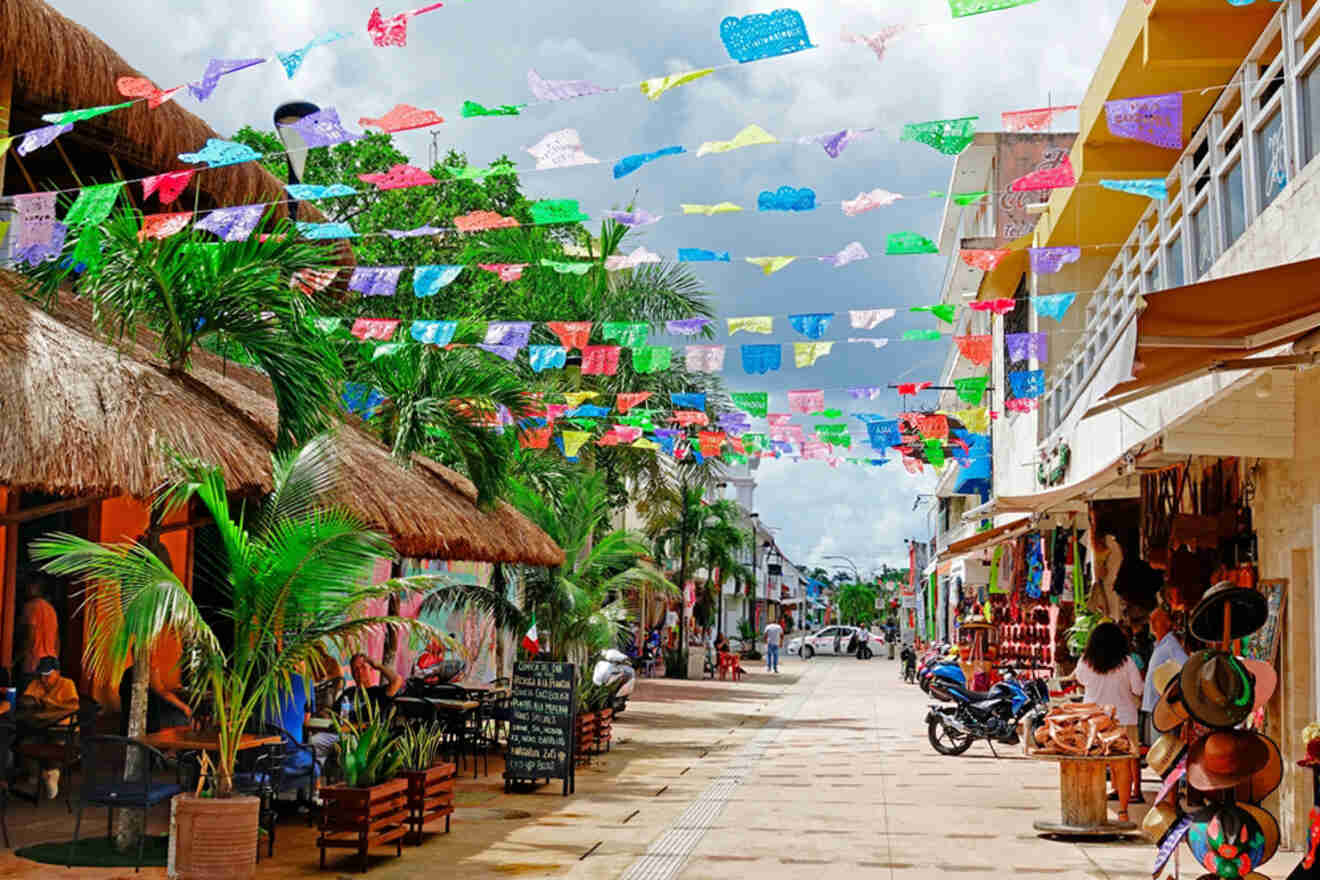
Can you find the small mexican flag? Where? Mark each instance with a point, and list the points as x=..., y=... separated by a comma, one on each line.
x=530, y=642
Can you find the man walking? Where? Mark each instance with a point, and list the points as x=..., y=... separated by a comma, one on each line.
x=774, y=633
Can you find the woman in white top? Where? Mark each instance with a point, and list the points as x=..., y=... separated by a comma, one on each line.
x=1111, y=678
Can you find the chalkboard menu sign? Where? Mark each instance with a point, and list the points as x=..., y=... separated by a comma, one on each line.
x=541, y=732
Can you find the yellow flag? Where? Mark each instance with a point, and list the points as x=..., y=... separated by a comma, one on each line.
x=770, y=265
x=573, y=441
x=5, y=142
x=976, y=419
x=643, y=443
x=751, y=136
x=761, y=324
x=709, y=210
x=656, y=86
x=577, y=398
x=807, y=353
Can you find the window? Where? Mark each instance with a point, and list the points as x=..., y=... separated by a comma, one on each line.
x=1311, y=107
x=1272, y=150
x=1235, y=208
x=1203, y=238
x=1173, y=261
x=1153, y=277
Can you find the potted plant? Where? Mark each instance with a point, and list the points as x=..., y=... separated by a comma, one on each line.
x=370, y=806
x=430, y=781
x=293, y=568
x=603, y=704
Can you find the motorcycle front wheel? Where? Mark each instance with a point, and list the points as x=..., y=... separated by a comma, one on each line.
x=947, y=741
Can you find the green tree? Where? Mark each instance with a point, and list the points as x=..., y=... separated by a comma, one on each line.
x=856, y=604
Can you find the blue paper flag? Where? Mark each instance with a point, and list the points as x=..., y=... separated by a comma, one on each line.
x=1027, y=383
x=434, y=332
x=360, y=398
x=587, y=411
x=628, y=164
x=325, y=230
x=700, y=255
x=218, y=153
x=427, y=280
x=688, y=400
x=764, y=35
x=547, y=357
x=307, y=191
x=884, y=434
x=1153, y=188
x=760, y=359
x=786, y=198
x=812, y=326
x=1054, y=305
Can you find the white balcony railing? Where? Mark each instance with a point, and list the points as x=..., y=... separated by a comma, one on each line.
x=1262, y=131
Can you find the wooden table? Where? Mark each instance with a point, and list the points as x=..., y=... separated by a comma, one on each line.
x=185, y=739
x=1083, y=803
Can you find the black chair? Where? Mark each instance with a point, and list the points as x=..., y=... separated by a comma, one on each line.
x=300, y=769
x=104, y=782
x=6, y=773
x=54, y=743
x=501, y=709
x=462, y=729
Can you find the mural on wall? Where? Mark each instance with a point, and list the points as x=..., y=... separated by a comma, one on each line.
x=1019, y=155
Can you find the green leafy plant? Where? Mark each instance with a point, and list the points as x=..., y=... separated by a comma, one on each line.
x=1080, y=632
x=420, y=745
x=370, y=752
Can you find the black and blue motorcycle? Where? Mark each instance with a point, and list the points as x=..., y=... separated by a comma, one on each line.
x=992, y=715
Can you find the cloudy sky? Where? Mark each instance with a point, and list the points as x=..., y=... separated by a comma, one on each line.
x=482, y=49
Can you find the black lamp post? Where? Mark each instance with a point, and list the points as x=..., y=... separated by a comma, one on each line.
x=295, y=146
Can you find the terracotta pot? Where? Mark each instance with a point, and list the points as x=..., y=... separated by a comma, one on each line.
x=213, y=838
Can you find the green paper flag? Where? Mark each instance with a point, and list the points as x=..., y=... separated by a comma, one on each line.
x=557, y=211
x=472, y=108
x=935, y=452
x=583, y=422
x=626, y=334
x=972, y=389
x=735, y=458
x=470, y=172
x=754, y=403
x=949, y=136
x=327, y=325
x=79, y=115
x=387, y=349
x=831, y=413
x=652, y=358
x=88, y=250
x=909, y=243
x=922, y=335
x=94, y=204
x=564, y=268
x=969, y=198
x=964, y=8
x=936, y=194
x=637, y=419
x=754, y=442
x=944, y=311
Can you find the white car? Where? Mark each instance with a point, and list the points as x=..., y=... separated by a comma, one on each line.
x=830, y=640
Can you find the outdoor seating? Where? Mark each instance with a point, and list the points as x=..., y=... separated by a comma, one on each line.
x=104, y=763
x=462, y=725
x=501, y=709
x=728, y=665
x=52, y=741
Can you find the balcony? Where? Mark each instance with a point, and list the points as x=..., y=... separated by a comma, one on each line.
x=1259, y=135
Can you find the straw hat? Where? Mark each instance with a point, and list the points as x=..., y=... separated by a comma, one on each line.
x=1165, y=673
x=1227, y=840
x=1264, y=781
x=1249, y=611
x=1157, y=822
x=1164, y=756
x=1225, y=758
x=1217, y=689
x=1170, y=711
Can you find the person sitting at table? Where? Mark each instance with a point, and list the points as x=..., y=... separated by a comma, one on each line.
x=361, y=665
x=47, y=698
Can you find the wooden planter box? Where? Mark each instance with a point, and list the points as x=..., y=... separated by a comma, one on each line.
x=360, y=818
x=430, y=797
x=586, y=736
x=604, y=729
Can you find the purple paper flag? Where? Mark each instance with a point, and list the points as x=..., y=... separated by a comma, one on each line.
x=1153, y=119
x=511, y=333
x=49, y=249
x=216, y=68
x=687, y=326
x=36, y=218
x=561, y=89
x=507, y=352
x=419, y=232
x=865, y=392
x=42, y=137
x=736, y=423
x=1024, y=346
x=375, y=280
x=232, y=224
x=1047, y=261
x=632, y=218
x=323, y=129
x=836, y=142
x=851, y=252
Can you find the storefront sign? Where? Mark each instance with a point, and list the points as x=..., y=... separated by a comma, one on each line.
x=541, y=731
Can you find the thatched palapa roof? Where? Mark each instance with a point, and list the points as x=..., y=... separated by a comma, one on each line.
x=61, y=65
x=82, y=418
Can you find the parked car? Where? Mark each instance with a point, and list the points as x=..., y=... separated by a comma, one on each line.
x=830, y=640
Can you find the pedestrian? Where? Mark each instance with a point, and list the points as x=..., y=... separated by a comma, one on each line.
x=773, y=634
x=1167, y=647
x=39, y=628
x=1111, y=679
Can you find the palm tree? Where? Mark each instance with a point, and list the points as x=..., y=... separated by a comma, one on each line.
x=574, y=603
x=294, y=569
x=190, y=291
x=720, y=544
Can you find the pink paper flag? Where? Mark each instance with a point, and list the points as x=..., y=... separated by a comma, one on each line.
x=878, y=41
x=141, y=87
x=600, y=360
x=806, y=401
x=375, y=328
x=159, y=226
x=705, y=358
x=310, y=281
x=507, y=271
x=404, y=117
x=476, y=221
x=689, y=417
x=167, y=186
x=977, y=349
x=626, y=401
x=998, y=306
x=398, y=177
x=985, y=260
x=393, y=31
x=1047, y=178
x=869, y=201
x=1033, y=120
x=572, y=334
x=779, y=420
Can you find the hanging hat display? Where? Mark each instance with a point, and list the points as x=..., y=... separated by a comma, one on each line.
x=1157, y=821
x=1227, y=841
x=1269, y=826
x=1164, y=755
x=1217, y=689
x=1170, y=711
x=1226, y=758
x=1266, y=678
x=1264, y=781
x=1247, y=609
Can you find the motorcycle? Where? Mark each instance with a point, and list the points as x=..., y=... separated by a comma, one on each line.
x=993, y=716
x=943, y=667
x=614, y=668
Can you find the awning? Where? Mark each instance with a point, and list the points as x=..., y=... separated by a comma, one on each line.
x=989, y=538
x=1184, y=331
x=796, y=601
x=1040, y=502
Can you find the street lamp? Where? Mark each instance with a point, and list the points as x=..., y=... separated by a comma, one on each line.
x=857, y=574
x=295, y=146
